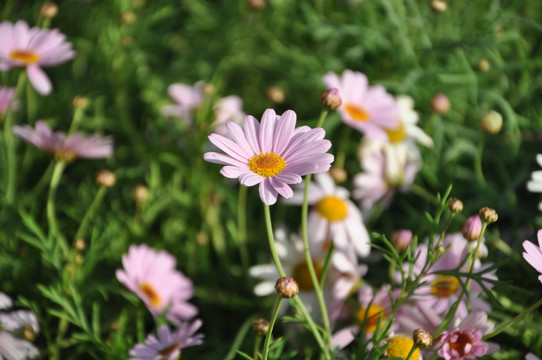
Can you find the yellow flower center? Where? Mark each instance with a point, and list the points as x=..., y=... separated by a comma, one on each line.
x=356, y=112
x=302, y=275
x=151, y=294
x=399, y=347
x=25, y=56
x=267, y=165
x=332, y=208
x=463, y=339
x=167, y=351
x=28, y=332
x=444, y=286
x=396, y=135
x=372, y=314
x=65, y=155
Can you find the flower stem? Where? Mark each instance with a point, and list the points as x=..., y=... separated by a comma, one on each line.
x=341, y=153
x=301, y=308
x=256, y=347
x=513, y=321
x=271, y=239
x=271, y=325
x=411, y=352
x=91, y=212
x=51, y=214
x=242, y=225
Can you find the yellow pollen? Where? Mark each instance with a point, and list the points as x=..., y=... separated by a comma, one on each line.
x=302, y=275
x=396, y=135
x=399, y=347
x=267, y=165
x=65, y=155
x=332, y=208
x=463, y=339
x=167, y=351
x=24, y=56
x=372, y=314
x=356, y=112
x=151, y=294
x=444, y=286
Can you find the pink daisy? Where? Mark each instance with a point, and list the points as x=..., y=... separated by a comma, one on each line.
x=533, y=253
x=62, y=147
x=273, y=154
x=186, y=98
x=152, y=276
x=17, y=329
x=370, y=110
x=229, y=108
x=168, y=345
x=33, y=48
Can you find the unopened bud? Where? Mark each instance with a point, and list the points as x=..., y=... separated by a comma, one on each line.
x=275, y=94
x=401, y=239
x=28, y=332
x=128, y=17
x=488, y=215
x=260, y=326
x=472, y=228
x=138, y=3
x=106, y=178
x=440, y=104
x=484, y=65
x=80, y=102
x=331, y=99
x=48, y=10
x=79, y=244
x=438, y=5
x=338, y=174
x=287, y=287
x=491, y=122
x=422, y=338
x=78, y=259
x=440, y=250
x=140, y=193
x=455, y=205
x=256, y=4
x=208, y=89
x=202, y=238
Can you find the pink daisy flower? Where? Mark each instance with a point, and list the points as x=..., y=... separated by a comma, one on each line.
x=229, y=108
x=168, y=345
x=17, y=329
x=186, y=98
x=62, y=147
x=370, y=110
x=533, y=253
x=273, y=154
x=33, y=48
x=6, y=95
x=152, y=276
x=333, y=217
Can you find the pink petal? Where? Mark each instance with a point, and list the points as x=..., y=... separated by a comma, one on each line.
x=39, y=80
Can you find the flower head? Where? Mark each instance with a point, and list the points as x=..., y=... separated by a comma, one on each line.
x=273, y=154
x=152, y=276
x=369, y=109
x=17, y=329
x=33, y=48
x=533, y=254
x=186, y=98
x=62, y=147
x=168, y=345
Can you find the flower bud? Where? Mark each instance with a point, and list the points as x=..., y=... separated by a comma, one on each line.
x=455, y=205
x=48, y=10
x=488, y=215
x=78, y=259
x=275, y=94
x=79, y=244
x=260, y=326
x=140, y=193
x=106, y=178
x=331, y=99
x=128, y=17
x=208, y=88
x=472, y=228
x=440, y=104
x=338, y=174
x=287, y=287
x=439, y=5
x=422, y=338
x=440, y=250
x=80, y=102
x=256, y=4
x=491, y=122
x=401, y=239
x=484, y=65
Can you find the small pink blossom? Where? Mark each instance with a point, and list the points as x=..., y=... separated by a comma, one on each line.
x=533, y=254
x=33, y=48
x=229, y=108
x=63, y=147
x=152, y=276
x=186, y=98
x=273, y=154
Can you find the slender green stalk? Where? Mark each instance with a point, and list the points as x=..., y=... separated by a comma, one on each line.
x=256, y=347
x=411, y=352
x=271, y=238
x=242, y=225
x=341, y=153
x=91, y=212
x=51, y=214
x=268, y=336
x=10, y=142
x=513, y=321
x=76, y=120
x=62, y=328
x=301, y=308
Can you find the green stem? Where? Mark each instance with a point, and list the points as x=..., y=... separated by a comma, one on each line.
x=478, y=171
x=242, y=225
x=301, y=308
x=411, y=352
x=513, y=321
x=256, y=347
x=10, y=142
x=271, y=325
x=76, y=120
x=271, y=238
x=62, y=327
x=51, y=214
x=421, y=192
x=341, y=153
x=91, y=212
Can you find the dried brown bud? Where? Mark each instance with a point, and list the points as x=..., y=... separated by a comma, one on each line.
x=438, y=5
x=256, y=4
x=488, y=215
x=455, y=205
x=128, y=17
x=331, y=99
x=80, y=102
x=260, y=326
x=140, y=193
x=48, y=10
x=106, y=178
x=484, y=65
x=440, y=104
x=338, y=174
x=422, y=338
x=79, y=244
x=275, y=94
x=287, y=287
x=491, y=122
